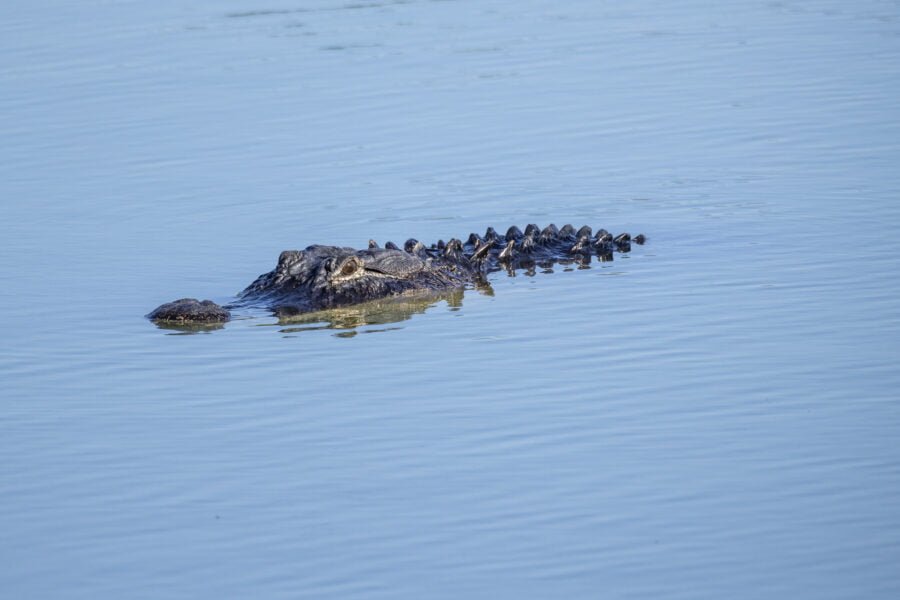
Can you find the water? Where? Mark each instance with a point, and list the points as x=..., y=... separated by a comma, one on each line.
x=713, y=415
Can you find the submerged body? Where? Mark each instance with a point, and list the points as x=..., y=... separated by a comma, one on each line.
x=323, y=277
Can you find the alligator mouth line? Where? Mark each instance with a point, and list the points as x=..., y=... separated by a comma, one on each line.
x=378, y=272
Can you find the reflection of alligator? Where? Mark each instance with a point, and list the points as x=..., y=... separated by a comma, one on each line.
x=383, y=311
x=324, y=277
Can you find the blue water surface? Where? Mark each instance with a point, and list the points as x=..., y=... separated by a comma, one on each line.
x=714, y=414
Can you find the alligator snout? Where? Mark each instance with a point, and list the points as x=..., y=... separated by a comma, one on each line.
x=190, y=310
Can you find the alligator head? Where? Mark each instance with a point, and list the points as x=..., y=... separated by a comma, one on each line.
x=329, y=276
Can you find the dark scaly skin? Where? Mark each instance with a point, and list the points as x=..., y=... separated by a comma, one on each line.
x=324, y=277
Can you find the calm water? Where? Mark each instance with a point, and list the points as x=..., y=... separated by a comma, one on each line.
x=714, y=415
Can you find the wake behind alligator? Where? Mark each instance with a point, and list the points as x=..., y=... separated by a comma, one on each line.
x=326, y=277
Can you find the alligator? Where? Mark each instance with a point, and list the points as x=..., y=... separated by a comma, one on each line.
x=327, y=277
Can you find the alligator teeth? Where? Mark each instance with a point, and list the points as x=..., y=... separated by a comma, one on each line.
x=513, y=233
x=509, y=252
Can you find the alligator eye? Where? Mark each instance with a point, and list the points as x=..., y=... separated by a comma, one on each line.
x=349, y=268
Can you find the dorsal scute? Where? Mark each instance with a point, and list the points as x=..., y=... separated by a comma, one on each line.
x=526, y=246
x=582, y=245
x=549, y=234
x=482, y=251
x=454, y=250
x=513, y=234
